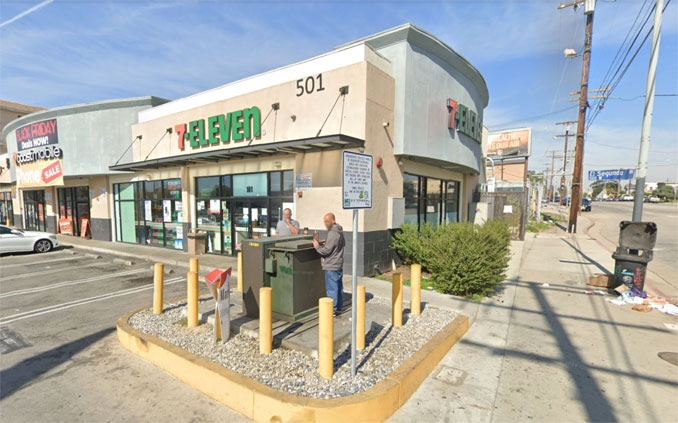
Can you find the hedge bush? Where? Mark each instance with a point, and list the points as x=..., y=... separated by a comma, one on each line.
x=463, y=259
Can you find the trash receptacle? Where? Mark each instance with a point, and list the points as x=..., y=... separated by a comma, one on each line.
x=196, y=242
x=636, y=241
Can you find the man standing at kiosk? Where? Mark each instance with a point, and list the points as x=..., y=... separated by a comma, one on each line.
x=332, y=253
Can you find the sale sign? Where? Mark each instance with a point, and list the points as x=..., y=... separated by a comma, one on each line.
x=40, y=174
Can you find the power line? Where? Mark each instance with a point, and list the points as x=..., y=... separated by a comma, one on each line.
x=614, y=85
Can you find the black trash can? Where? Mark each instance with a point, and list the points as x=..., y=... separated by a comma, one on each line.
x=634, y=252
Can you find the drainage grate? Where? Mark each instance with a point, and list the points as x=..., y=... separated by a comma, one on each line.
x=11, y=341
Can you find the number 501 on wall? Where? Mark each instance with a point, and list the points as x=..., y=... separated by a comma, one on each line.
x=310, y=84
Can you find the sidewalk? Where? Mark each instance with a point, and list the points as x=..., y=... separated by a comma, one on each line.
x=553, y=353
x=208, y=262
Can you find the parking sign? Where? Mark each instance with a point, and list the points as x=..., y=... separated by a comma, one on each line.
x=356, y=180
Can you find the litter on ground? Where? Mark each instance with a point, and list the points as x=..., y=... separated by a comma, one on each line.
x=644, y=303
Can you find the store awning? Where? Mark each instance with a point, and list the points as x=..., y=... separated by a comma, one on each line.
x=306, y=145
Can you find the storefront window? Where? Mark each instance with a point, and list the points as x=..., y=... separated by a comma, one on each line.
x=207, y=187
x=430, y=200
x=34, y=210
x=150, y=213
x=6, y=209
x=74, y=206
x=232, y=208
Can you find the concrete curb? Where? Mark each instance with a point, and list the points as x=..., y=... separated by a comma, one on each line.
x=265, y=404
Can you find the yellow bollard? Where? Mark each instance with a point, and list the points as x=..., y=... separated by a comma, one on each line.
x=360, y=318
x=193, y=265
x=239, y=271
x=325, y=337
x=397, y=300
x=158, y=280
x=415, y=289
x=192, y=299
x=265, y=320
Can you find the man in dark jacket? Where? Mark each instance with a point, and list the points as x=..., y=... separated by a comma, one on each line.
x=332, y=253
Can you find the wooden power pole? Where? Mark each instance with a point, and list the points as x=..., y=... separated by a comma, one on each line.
x=563, y=179
x=577, y=175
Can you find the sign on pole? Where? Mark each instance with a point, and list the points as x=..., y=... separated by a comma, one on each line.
x=356, y=189
x=611, y=175
x=356, y=180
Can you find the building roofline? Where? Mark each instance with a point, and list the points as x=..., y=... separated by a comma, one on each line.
x=417, y=36
x=81, y=108
x=19, y=107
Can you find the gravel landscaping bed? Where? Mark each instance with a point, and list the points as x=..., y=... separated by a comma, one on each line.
x=386, y=347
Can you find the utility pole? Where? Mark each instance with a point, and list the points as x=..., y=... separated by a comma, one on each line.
x=577, y=176
x=553, y=160
x=563, y=178
x=641, y=171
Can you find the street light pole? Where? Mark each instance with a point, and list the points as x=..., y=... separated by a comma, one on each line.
x=641, y=171
x=577, y=175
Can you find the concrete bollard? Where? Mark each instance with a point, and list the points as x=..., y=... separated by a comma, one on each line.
x=192, y=299
x=360, y=318
x=239, y=271
x=265, y=320
x=397, y=300
x=193, y=265
x=158, y=281
x=325, y=337
x=415, y=289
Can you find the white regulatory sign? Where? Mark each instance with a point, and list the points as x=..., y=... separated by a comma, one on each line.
x=356, y=180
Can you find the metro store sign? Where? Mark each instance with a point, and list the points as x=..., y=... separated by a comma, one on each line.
x=234, y=126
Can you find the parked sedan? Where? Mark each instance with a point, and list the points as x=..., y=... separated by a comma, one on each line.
x=14, y=240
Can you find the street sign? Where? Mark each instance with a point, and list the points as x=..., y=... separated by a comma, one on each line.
x=356, y=180
x=611, y=175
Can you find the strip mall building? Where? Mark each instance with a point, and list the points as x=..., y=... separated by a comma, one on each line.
x=229, y=160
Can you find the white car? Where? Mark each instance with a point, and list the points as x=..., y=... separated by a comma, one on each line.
x=14, y=240
x=627, y=197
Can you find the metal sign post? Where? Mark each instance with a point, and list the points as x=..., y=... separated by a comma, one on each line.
x=356, y=188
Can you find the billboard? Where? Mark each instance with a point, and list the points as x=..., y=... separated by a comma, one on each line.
x=509, y=143
x=611, y=175
x=38, y=160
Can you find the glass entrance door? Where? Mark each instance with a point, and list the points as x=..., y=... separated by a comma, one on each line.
x=251, y=219
x=34, y=210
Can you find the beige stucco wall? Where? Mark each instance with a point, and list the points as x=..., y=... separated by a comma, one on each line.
x=298, y=117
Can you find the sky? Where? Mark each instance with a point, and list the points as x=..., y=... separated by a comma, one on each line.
x=55, y=53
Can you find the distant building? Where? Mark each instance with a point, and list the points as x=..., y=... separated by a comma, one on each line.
x=650, y=186
x=8, y=112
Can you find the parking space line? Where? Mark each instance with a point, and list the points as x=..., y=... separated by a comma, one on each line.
x=42, y=272
x=63, y=306
x=5, y=266
x=68, y=283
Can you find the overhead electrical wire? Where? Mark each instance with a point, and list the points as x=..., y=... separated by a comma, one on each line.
x=619, y=73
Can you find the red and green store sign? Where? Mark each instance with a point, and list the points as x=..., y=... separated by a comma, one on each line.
x=234, y=126
x=464, y=120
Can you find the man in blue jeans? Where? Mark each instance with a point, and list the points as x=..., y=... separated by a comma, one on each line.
x=332, y=253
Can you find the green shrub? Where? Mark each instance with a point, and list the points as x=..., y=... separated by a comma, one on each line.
x=409, y=243
x=463, y=259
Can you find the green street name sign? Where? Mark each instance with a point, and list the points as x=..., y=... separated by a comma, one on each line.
x=234, y=126
x=464, y=120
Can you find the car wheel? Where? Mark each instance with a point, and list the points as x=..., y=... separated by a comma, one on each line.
x=42, y=246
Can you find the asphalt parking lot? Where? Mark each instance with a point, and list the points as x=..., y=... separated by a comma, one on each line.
x=59, y=355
